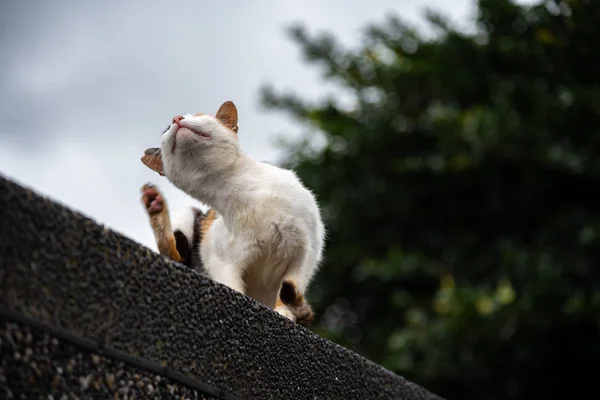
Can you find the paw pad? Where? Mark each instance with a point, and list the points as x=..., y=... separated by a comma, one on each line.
x=152, y=199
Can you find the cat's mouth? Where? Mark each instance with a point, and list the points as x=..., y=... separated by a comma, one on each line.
x=187, y=129
x=185, y=125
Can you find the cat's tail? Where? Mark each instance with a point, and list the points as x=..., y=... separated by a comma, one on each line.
x=292, y=299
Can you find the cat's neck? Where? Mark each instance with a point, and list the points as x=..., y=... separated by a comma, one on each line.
x=232, y=194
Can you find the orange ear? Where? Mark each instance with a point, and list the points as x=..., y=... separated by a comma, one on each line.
x=153, y=160
x=227, y=114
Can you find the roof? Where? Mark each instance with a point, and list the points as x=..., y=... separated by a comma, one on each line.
x=89, y=287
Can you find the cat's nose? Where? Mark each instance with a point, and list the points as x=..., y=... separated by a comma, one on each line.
x=177, y=119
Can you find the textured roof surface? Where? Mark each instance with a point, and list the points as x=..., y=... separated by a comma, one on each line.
x=36, y=364
x=66, y=271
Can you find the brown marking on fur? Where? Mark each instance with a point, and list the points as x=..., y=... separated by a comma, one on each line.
x=294, y=300
x=160, y=222
x=289, y=293
x=206, y=223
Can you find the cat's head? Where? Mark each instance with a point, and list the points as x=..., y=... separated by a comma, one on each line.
x=195, y=146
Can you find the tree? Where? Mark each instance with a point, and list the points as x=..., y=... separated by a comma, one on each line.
x=459, y=193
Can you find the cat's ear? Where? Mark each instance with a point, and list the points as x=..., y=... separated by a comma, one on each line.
x=153, y=160
x=228, y=115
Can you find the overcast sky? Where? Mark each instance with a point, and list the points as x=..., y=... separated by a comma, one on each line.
x=86, y=86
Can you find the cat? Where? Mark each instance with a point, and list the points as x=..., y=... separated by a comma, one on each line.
x=263, y=234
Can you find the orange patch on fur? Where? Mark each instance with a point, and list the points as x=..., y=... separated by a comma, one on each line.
x=171, y=248
x=165, y=241
x=228, y=116
x=206, y=223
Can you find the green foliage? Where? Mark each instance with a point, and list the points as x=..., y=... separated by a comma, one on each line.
x=459, y=192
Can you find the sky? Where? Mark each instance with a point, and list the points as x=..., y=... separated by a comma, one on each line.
x=88, y=85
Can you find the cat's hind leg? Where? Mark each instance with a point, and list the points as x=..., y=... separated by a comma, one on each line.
x=156, y=207
x=292, y=304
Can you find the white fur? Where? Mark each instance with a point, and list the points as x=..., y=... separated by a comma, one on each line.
x=184, y=222
x=269, y=225
x=286, y=312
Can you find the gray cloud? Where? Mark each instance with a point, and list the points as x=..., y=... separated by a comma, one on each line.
x=87, y=86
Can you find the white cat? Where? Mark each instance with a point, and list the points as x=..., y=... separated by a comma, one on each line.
x=263, y=235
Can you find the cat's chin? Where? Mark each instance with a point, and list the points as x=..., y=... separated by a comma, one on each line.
x=186, y=139
x=190, y=129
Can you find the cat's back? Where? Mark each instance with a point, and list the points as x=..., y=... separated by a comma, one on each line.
x=289, y=206
x=284, y=187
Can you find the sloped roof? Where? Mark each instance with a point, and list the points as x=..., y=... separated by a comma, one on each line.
x=69, y=275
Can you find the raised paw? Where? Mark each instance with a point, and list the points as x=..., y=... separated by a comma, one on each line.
x=152, y=199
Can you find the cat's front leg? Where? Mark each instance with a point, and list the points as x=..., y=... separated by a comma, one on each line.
x=156, y=206
x=220, y=268
x=228, y=275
